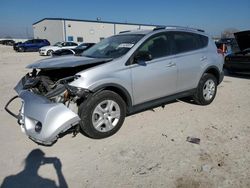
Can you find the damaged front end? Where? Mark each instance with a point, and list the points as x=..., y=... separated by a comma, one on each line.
x=49, y=104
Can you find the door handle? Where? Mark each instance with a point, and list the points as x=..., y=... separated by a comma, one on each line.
x=171, y=64
x=203, y=58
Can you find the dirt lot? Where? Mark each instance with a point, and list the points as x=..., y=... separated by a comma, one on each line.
x=150, y=150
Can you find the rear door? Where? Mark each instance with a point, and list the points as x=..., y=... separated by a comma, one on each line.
x=156, y=78
x=190, y=57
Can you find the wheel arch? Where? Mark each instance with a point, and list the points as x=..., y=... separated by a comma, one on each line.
x=120, y=90
x=49, y=50
x=214, y=71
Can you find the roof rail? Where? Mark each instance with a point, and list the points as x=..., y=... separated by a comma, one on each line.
x=159, y=28
x=124, y=31
x=184, y=28
x=177, y=27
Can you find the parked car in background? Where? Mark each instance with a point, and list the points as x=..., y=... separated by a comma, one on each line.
x=226, y=46
x=32, y=45
x=15, y=45
x=48, y=50
x=75, y=51
x=7, y=42
x=120, y=76
x=240, y=60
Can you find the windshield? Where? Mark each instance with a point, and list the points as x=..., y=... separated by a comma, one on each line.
x=57, y=44
x=113, y=47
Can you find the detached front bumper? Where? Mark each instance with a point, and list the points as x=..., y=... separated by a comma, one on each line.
x=41, y=119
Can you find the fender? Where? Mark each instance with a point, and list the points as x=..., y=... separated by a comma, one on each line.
x=216, y=72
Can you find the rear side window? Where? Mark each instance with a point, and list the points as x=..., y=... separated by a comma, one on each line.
x=203, y=41
x=185, y=42
x=29, y=42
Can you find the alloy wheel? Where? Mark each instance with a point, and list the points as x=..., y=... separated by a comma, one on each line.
x=209, y=90
x=106, y=115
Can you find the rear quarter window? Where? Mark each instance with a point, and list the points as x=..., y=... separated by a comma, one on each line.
x=203, y=41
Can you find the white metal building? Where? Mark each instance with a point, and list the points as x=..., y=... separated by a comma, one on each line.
x=61, y=29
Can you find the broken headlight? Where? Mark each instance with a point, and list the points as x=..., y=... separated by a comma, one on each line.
x=77, y=91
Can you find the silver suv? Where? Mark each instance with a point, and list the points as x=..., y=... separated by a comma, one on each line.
x=122, y=75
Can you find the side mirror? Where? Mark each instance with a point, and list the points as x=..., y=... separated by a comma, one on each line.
x=143, y=56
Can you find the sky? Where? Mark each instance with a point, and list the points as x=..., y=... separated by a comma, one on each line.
x=214, y=16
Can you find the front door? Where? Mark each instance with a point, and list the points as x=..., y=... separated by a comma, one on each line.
x=158, y=77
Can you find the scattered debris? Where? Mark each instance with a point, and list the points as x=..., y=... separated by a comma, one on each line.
x=214, y=127
x=193, y=140
x=164, y=135
x=145, y=170
x=234, y=138
x=172, y=140
x=153, y=167
x=206, y=168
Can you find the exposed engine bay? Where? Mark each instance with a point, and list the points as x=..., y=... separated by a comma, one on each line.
x=51, y=83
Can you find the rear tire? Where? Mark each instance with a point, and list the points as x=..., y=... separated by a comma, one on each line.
x=206, y=90
x=102, y=114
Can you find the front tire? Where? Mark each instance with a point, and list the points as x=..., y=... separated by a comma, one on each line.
x=102, y=114
x=50, y=52
x=206, y=90
x=21, y=49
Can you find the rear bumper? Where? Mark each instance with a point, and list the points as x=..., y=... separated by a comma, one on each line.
x=42, y=120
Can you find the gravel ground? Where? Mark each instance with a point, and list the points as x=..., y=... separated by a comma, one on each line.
x=150, y=150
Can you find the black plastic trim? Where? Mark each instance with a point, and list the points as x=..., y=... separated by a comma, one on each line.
x=219, y=76
x=7, y=109
x=159, y=102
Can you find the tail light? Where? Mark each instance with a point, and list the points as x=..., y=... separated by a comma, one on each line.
x=220, y=51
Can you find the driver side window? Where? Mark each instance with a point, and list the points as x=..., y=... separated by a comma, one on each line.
x=158, y=46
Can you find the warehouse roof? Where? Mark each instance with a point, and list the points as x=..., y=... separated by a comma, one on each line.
x=93, y=21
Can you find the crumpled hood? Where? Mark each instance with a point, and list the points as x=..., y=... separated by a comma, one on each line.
x=65, y=62
x=243, y=39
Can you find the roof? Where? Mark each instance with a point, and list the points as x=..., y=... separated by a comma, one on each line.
x=95, y=21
